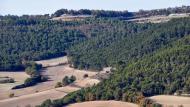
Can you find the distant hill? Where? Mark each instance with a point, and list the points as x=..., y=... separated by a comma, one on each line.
x=123, y=14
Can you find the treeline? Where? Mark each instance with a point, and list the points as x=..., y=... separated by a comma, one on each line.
x=29, y=38
x=166, y=11
x=165, y=72
x=97, y=13
x=126, y=14
x=125, y=43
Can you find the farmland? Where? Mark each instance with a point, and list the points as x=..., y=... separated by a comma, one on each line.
x=46, y=90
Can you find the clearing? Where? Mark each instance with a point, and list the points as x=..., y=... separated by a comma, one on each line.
x=159, y=18
x=103, y=104
x=172, y=101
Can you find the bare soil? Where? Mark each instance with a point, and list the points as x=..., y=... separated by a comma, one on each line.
x=103, y=104
x=172, y=101
x=37, y=94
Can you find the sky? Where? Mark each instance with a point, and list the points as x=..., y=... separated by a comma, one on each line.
x=34, y=7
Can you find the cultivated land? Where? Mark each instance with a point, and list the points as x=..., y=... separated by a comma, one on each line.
x=53, y=62
x=19, y=78
x=103, y=104
x=37, y=94
x=159, y=19
x=72, y=17
x=172, y=101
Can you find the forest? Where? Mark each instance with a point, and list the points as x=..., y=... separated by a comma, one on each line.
x=127, y=42
x=148, y=59
x=29, y=38
x=162, y=71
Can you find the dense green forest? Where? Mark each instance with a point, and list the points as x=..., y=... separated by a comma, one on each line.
x=29, y=38
x=125, y=43
x=33, y=38
x=164, y=72
x=150, y=59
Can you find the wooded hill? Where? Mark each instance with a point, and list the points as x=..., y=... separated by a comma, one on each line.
x=126, y=42
x=123, y=14
x=33, y=38
x=162, y=69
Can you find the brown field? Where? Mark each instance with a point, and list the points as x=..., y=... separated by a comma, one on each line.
x=71, y=17
x=53, y=62
x=19, y=78
x=37, y=98
x=36, y=94
x=103, y=104
x=172, y=101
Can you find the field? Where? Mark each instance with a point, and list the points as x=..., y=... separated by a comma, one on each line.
x=72, y=17
x=19, y=78
x=159, y=19
x=53, y=62
x=103, y=104
x=36, y=94
x=172, y=101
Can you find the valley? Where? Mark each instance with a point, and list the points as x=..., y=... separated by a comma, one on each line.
x=55, y=70
x=96, y=58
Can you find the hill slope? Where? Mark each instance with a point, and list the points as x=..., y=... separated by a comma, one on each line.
x=121, y=45
x=164, y=70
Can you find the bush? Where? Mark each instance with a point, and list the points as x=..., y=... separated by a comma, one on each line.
x=72, y=79
x=29, y=82
x=7, y=80
x=11, y=95
x=66, y=80
x=85, y=76
x=59, y=84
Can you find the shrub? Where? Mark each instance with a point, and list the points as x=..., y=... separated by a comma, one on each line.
x=11, y=95
x=59, y=84
x=85, y=76
x=72, y=79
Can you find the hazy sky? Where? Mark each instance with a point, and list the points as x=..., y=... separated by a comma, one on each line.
x=20, y=7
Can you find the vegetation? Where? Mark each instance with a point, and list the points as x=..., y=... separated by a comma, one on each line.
x=66, y=80
x=123, y=14
x=58, y=84
x=160, y=65
x=126, y=42
x=29, y=38
x=6, y=80
x=33, y=70
x=150, y=59
x=11, y=95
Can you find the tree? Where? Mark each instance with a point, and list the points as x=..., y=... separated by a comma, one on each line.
x=65, y=81
x=72, y=78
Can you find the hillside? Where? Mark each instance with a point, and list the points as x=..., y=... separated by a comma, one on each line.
x=165, y=71
x=126, y=43
x=29, y=38
x=130, y=62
